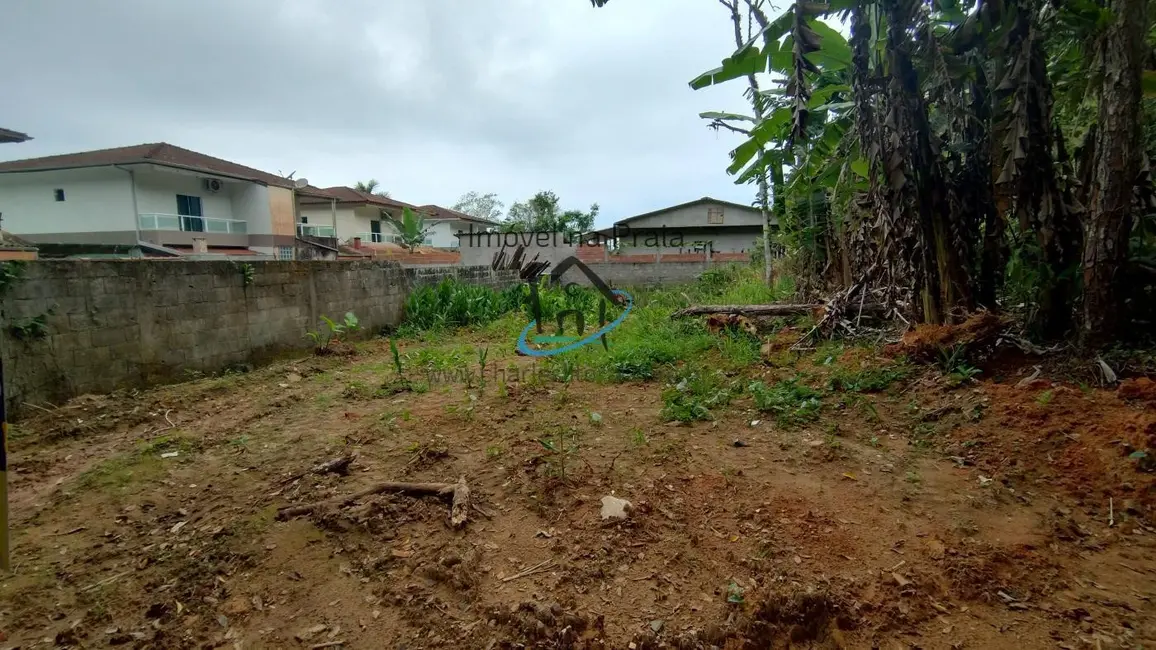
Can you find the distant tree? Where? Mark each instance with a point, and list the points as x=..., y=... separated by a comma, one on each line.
x=411, y=228
x=482, y=206
x=371, y=186
x=543, y=212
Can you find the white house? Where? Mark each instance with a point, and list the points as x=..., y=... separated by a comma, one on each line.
x=152, y=199
x=360, y=218
x=725, y=226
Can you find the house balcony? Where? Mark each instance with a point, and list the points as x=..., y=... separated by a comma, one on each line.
x=378, y=238
x=181, y=230
x=314, y=230
x=385, y=238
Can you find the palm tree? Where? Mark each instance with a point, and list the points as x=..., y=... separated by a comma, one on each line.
x=371, y=186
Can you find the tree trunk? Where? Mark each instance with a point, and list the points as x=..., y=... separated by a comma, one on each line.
x=1116, y=167
x=764, y=199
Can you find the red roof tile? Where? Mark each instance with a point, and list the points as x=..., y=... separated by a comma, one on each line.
x=350, y=195
x=160, y=153
x=438, y=212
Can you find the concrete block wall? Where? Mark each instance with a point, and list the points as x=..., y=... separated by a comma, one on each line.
x=119, y=324
x=641, y=274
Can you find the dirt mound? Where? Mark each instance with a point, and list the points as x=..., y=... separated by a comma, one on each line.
x=716, y=323
x=1140, y=389
x=926, y=342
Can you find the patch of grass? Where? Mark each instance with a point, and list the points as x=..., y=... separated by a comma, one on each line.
x=866, y=380
x=356, y=390
x=494, y=451
x=439, y=358
x=1045, y=397
x=694, y=395
x=139, y=466
x=828, y=352
x=792, y=402
x=638, y=437
x=953, y=361
x=739, y=349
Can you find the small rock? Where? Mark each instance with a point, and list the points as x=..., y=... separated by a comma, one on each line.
x=170, y=454
x=223, y=620
x=615, y=508
x=740, y=443
x=657, y=625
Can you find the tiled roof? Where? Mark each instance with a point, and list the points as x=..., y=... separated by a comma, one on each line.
x=8, y=135
x=160, y=153
x=438, y=212
x=350, y=195
x=8, y=241
x=705, y=199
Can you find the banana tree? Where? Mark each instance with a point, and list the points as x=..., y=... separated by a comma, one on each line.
x=411, y=228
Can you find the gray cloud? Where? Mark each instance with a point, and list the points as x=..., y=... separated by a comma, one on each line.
x=433, y=98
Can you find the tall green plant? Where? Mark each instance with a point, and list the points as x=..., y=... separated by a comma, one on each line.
x=411, y=229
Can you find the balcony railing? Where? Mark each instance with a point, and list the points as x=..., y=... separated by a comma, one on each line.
x=157, y=221
x=386, y=238
x=313, y=230
x=378, y=238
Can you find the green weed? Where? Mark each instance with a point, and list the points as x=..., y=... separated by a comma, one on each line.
x=693, y=396
x=792, y=402
x=866, y=380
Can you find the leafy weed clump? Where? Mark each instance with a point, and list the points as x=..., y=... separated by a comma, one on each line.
x=793, y=403
x=694, y=396
x=866, y=380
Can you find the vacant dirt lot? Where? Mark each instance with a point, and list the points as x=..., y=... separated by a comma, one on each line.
x=993, y=513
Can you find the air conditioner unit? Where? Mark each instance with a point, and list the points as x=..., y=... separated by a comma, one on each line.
x=213, y=185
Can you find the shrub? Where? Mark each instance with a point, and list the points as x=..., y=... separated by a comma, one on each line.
x=451, y=303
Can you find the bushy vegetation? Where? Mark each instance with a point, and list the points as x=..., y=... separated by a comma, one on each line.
x=949, y=156
x=451, y=303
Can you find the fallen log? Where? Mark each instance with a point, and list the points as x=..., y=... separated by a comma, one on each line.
x=765, y=310
x=459, y=510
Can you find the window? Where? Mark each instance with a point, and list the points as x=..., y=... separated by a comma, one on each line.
x=58, y=194
x=714, y=215
x=285, y=253
x=189, y=208
x=304, y=219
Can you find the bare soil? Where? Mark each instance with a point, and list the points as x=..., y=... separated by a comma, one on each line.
x=980, y=516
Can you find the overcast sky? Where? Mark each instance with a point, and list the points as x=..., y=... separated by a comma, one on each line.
x=433, y=97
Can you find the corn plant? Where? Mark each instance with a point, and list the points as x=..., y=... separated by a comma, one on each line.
x=398, y=384
x=396, y=357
